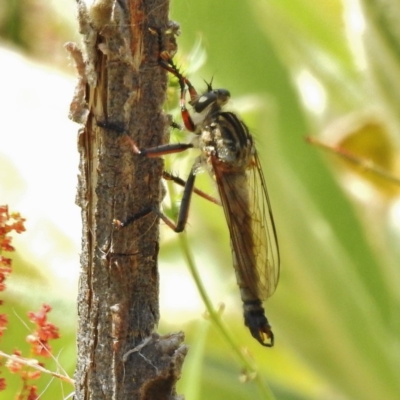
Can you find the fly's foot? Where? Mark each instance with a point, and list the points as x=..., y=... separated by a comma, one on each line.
x=167, y=40
x=122, y=224
x=112, y=126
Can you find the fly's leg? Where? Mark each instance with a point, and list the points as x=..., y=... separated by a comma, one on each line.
x=187, y=119
x=188, y=185
x=133, y=218
x=169, y=177
x=183, y=211
x=165, y=61
x=185, y=204
x=161, y=150
x=169, y=149
x=187, y=192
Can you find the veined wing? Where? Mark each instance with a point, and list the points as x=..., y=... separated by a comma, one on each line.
x=251, y=225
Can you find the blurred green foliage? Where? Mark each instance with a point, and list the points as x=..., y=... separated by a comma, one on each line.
x=335, y=310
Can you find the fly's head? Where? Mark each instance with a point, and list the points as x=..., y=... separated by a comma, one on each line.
x=207, y=106
x=214, y=99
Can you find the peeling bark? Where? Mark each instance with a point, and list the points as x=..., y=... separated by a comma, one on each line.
x=121, y=84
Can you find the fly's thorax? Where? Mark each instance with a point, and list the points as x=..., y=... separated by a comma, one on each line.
x=227, y=140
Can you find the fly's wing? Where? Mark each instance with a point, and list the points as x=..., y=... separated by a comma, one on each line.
x=251, y=225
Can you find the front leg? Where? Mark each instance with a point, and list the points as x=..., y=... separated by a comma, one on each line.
x=166, y=62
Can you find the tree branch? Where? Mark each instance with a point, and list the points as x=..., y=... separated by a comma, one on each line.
x=121, y=86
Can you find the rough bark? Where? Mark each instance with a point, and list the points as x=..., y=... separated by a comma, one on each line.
x=121, y=84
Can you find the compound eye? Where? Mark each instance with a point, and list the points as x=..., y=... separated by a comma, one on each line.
x=222, y=96
x=218, y=96
x=204, y=101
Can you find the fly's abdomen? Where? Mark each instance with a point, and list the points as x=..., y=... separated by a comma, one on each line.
x=250, y=245
x=253, y=310
x=257, y=322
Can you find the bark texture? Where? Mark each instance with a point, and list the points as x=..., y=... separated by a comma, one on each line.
x=121, y=84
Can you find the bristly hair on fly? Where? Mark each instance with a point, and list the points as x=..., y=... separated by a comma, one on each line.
x=190, y=63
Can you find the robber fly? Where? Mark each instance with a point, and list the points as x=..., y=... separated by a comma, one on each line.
x=228, y=152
